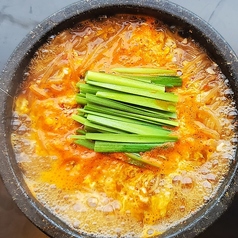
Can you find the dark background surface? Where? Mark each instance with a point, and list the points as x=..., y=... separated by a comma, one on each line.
x=18, y=17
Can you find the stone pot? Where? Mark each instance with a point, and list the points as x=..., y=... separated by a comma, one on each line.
x=12, y=76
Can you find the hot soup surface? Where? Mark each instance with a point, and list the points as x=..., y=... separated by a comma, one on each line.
x=97, y=193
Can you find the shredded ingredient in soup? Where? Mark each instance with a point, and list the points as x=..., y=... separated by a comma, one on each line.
x=98, y=193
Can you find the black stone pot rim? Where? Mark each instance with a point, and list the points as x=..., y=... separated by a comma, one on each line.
x=10, y=172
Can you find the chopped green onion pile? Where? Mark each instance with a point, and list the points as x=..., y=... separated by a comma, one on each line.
x=127, y=111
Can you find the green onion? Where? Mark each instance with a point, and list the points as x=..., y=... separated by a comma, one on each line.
x=89, y=126
x=168, y=81
x=137, y=91
x=79, y=119
x=86, y=143
x=81, y=100
x=121, y=116
x=145, y=71
x=128, y=111
x=114, y=79
x=86, y=88
x=130, y=127
x=81, y=132
x=133, y=138
x=102, y=146
x=139, y=100
x=110, y=111
x=127, y=107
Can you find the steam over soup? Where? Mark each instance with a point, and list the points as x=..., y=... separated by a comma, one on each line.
x=99, y=193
